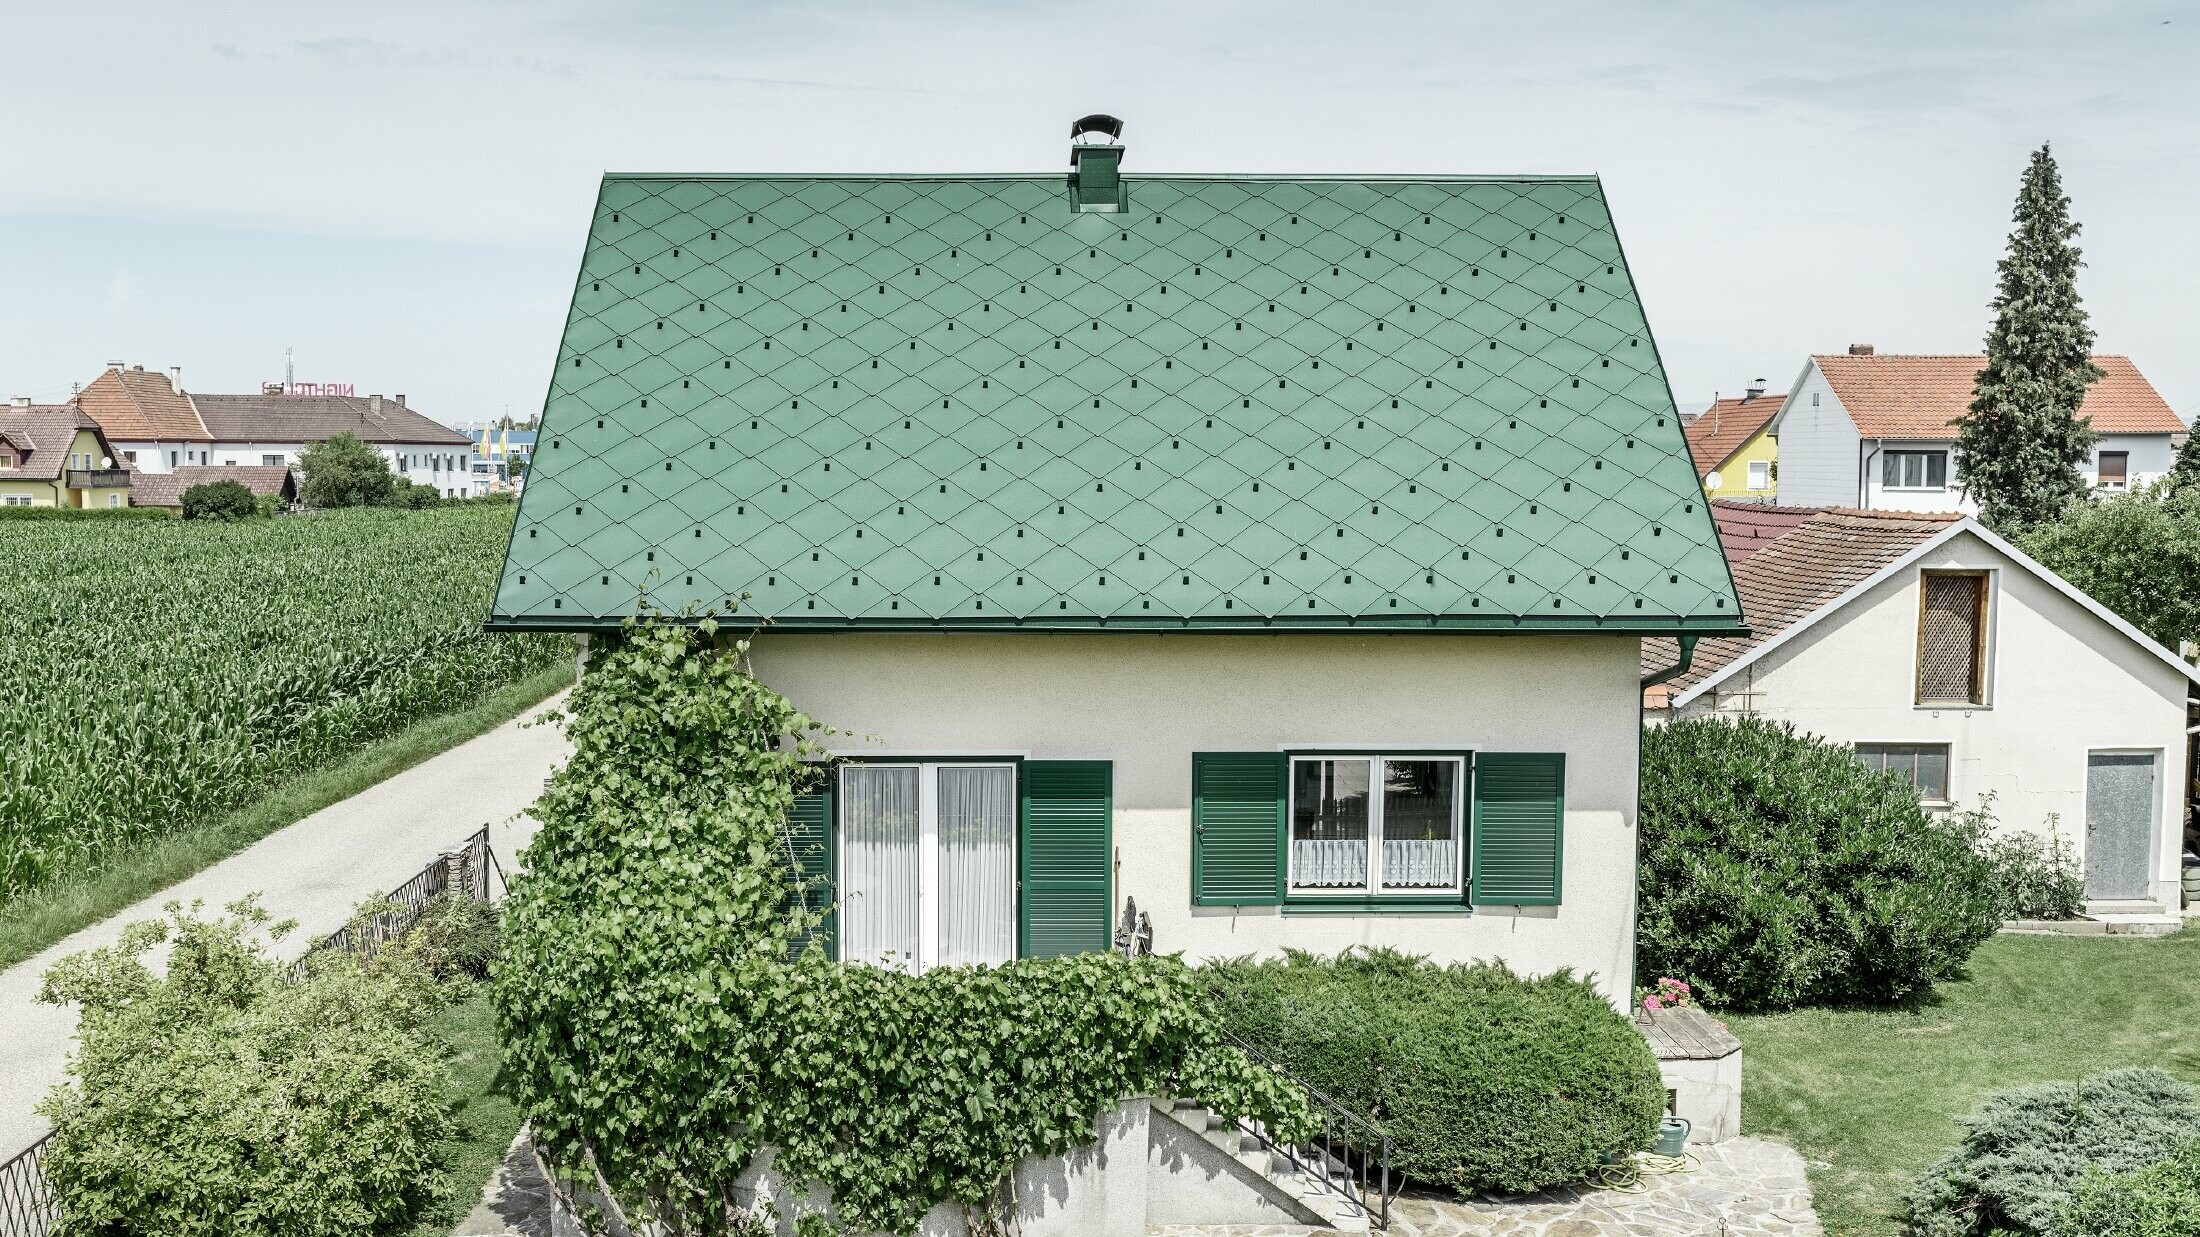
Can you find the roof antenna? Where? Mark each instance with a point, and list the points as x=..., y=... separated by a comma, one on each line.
x=290, y=373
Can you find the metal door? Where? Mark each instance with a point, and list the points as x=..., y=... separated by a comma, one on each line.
x=2119, y=824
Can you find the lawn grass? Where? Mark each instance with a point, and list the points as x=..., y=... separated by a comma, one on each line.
x=484, y=1119
x=1870, y=1096
x=43, y=916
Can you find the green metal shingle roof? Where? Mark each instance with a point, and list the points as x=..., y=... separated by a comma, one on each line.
x=1245, y=402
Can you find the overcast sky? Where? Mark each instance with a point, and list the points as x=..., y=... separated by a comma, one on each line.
x=400, y=191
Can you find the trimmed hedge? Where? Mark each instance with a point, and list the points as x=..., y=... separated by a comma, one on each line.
x=2026, y=1151
x=1483, y=1079
x=1777, y=870
x=85, y=513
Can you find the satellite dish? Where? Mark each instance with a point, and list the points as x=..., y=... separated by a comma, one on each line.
x=106, y=461
x=1711, y=480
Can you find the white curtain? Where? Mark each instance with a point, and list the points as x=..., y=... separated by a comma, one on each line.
x=878, y=865
x=1422, y=864
x=977, y=830
x=1325, y=863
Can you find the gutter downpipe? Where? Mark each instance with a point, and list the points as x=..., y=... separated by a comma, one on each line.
x=1677, y=669
x=1864, y=471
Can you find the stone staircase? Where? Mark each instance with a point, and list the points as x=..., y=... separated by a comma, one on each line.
x=1316, y=1188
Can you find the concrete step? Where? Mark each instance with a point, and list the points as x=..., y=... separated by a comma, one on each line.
x=1323, y=1196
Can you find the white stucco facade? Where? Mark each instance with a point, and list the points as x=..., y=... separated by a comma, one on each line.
x=2063, y=684
x=1818, y=447
x=1147, y=702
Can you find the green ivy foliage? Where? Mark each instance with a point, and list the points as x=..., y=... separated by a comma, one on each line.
x=668, y=1014
x=2160, y=1200
x=2027, y=1150
x=218, y=1100
x=1482, y=1079
x=1777, y=871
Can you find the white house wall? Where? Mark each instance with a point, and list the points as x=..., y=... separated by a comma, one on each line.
x=2063, y=683
x=1817, y=445
x=416, y=462
x=1881, y=497
x=2151, y=457
x=1147, y=702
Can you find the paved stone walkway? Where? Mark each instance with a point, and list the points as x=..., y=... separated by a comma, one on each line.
x=314, y=871
x=1745, y=1187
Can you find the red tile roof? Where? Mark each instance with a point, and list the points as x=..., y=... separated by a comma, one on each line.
x=1745, y=527
x=165, y=489
x=311, y=418
x=1716, y=433
x=1893, y=396
x=47, y=430
x=1788, y=578
x=135, y=406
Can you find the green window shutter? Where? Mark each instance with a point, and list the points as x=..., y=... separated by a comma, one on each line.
x=1065, y=857
x=812, y=847
x=1237, y=828
x=1519, y=826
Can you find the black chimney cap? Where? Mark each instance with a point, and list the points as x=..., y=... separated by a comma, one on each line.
x=1098, y=122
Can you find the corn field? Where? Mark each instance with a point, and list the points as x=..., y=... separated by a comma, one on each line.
x=159, y=673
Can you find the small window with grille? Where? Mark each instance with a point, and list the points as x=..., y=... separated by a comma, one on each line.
x=1951, y=637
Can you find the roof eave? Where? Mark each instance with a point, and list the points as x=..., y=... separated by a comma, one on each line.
x=1665, y=625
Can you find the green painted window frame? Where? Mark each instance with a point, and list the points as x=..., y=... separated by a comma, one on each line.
x=1457, y=901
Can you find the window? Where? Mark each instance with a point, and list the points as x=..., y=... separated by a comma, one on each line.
x=1914, y=470
x=1923, y=765
x=7, y=458
x=1760, y=474
x=1376, y=824
x=2115, y=470
x=928, y=863
x=171, y=459
x=131, y=456
x=271, y=461
x=1951, y=637
x=114, y=500
x=1814, y=399
x=15, y=500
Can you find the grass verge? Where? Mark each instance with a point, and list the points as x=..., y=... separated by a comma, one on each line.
x=1870, y=1097
x=43, y=916
x=484, y=1119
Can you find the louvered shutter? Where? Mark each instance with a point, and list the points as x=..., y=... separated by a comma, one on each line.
x=810, y=843
x=1064, y=858
x=1519, y=823
x=1237, y=828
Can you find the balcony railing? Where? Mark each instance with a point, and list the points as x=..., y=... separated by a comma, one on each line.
x=100, y=478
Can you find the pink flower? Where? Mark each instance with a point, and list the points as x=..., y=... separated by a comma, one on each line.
x=1652, y=1004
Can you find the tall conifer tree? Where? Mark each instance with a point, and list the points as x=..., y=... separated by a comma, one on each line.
x=2022, y=440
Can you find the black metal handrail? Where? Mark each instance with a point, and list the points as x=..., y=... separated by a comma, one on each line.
x=28, y=1207
x=1345, y=1157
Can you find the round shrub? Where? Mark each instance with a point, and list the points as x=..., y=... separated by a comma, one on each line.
x=1483, y=1080
x=1777, y=870
x=219, y=500
x=2027, y=1150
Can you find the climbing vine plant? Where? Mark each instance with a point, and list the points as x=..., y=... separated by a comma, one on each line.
x=667, y=1016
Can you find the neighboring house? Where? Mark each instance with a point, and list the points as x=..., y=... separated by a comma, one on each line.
x=1938, y=650
x=1733, y=447
x=159, y=427
x=54, y=456
x=1272, y=551
x=1873, y=431
x=166, y=489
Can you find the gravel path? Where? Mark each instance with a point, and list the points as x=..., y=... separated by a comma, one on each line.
x=314, y=871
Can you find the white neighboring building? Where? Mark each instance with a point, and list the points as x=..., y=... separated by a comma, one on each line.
x=159, y=427
x=1940, y=650
x=1878, y=432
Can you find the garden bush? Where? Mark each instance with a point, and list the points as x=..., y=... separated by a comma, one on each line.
x=1483, y=1079
x=668, y=1011
x=2035, y=876
x=219, y=500
x=2160, y=1200
x=220, y=1099
x=1777, y=870
x=2027, y=1150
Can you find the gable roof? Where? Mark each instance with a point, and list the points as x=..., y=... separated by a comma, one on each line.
x=1895, y=396
x=1826, y=562
x=132, y=405
x=1716, y=433
x=1747, y=527
x=48, y=430
x=311, y=418
x=1815, y=560
x=165, y=489
x=1241, y=403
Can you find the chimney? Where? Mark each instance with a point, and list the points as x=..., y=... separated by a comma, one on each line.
x=175, y=379
x=137, y=369
x=118, y=365
x=21, y=401
x=1755, y=390
x=1860, y=349
x=398, y=399
x=1096, y=178
x=374, y=405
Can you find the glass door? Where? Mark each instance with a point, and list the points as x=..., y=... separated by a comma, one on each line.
x=928, y=864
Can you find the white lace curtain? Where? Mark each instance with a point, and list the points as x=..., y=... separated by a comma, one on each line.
x=883, y=837
x=977, y=831
x=878, y=865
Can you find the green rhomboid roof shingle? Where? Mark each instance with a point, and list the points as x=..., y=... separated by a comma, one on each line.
x=1244, y=402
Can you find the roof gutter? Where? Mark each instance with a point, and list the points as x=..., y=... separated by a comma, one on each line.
x=1677, y=669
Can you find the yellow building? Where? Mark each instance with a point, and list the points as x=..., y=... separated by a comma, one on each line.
x=1732, y=447
x=55, y=456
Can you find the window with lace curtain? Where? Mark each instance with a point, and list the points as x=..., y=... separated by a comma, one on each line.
x=1951, y=637
x=1376, y=824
